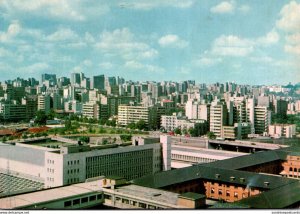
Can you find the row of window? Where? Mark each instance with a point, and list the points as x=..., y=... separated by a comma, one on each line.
x=220, y=193
x=72, y=180
x=50, y=170
x=50, y=179
x=72, y=171
x=50, y=161
x=133, y=203
x=84, y=200
x=74, y=162
x=191, y=158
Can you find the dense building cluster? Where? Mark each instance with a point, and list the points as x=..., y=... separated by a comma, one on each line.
x=228, y=110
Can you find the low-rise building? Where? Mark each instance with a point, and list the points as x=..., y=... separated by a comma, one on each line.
x=282, y=130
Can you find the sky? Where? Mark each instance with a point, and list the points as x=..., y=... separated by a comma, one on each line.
x=248, y=42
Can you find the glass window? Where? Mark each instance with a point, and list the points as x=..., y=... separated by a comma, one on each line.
x=84, y=200
x=76, y=201
x=92, y=198
x=68, y=203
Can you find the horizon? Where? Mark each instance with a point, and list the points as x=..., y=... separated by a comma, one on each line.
x=209, y=41
x=172, y=81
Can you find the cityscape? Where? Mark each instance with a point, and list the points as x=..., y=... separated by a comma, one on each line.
x=99, y=112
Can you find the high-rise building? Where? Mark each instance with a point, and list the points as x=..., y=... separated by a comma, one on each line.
x=44, y=103
x=132, y=114
x=262, y=119
x=218, y=117
x=98, y=82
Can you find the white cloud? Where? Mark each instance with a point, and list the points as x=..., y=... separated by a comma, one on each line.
x=263, y=59
x=223, y=7
x=289, y=22
x=36, y=67
x=290, y=17
x=88, y=63
x=5, y=53
x=106, y=65
x=172, y=40
x=271, y=38
x=294, y=49
x=64, y=9
x=207, y=61
x=13, y=30
x=232, y=46
x=123, y=43
x=135, y=65
x=62, y=34
x=294, y=38
x=148, y=5
x=89, y=37
x=244, y=8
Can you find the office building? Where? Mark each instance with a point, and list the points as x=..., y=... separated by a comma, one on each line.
x=132, y=114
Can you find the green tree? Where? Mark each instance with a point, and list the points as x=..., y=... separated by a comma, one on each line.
x=41, y=117
x=177, y=131
x=84, y=139
x=125, y=137
x=211, y=135
x=141, y=125
x=131, y=125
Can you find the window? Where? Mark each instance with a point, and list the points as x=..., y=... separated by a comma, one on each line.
x=212, y=190
x=68, y=203
x=99, y=197
x=92, y=198
x=76, y=202
x=220, y=192
x=84, y=200
x=227, y=193
x=235, y=194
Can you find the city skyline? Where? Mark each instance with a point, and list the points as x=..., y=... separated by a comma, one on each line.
x=248, y=42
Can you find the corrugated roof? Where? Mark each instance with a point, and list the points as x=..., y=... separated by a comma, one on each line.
x=241, y=178
x=249, y=160
x=278, y=198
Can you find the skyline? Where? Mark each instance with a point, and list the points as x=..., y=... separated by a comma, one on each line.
x=249, y=42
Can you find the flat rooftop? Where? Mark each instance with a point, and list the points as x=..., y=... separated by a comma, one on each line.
x=28, y=199
x=12, y=185
x=206, y=152
x=147, y=194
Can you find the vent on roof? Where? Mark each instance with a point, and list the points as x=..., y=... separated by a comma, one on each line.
x=217, y=175
x=232, y=178
x=266, y=183
x=242, y=180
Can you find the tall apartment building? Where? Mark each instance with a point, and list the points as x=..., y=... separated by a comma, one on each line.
x=44, y=103
x=128, y=114
x=262, y=119
x=218, y=117
x=95, y=110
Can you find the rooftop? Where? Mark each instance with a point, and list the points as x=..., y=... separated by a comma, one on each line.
x=24, y=200
x=149, y=194
x=281, y=197
x=10, y=185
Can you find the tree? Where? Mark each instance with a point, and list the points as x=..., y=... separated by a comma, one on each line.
x=112, y=122
x=84, y=139
x=177, y=131
x=41, y=117
x=131, y=125
x=68, y=125
x=125, y=137
x=211, y=135
x=141, y=125
x=51, y=115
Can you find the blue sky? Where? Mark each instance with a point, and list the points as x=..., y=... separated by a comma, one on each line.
x=249, y=42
